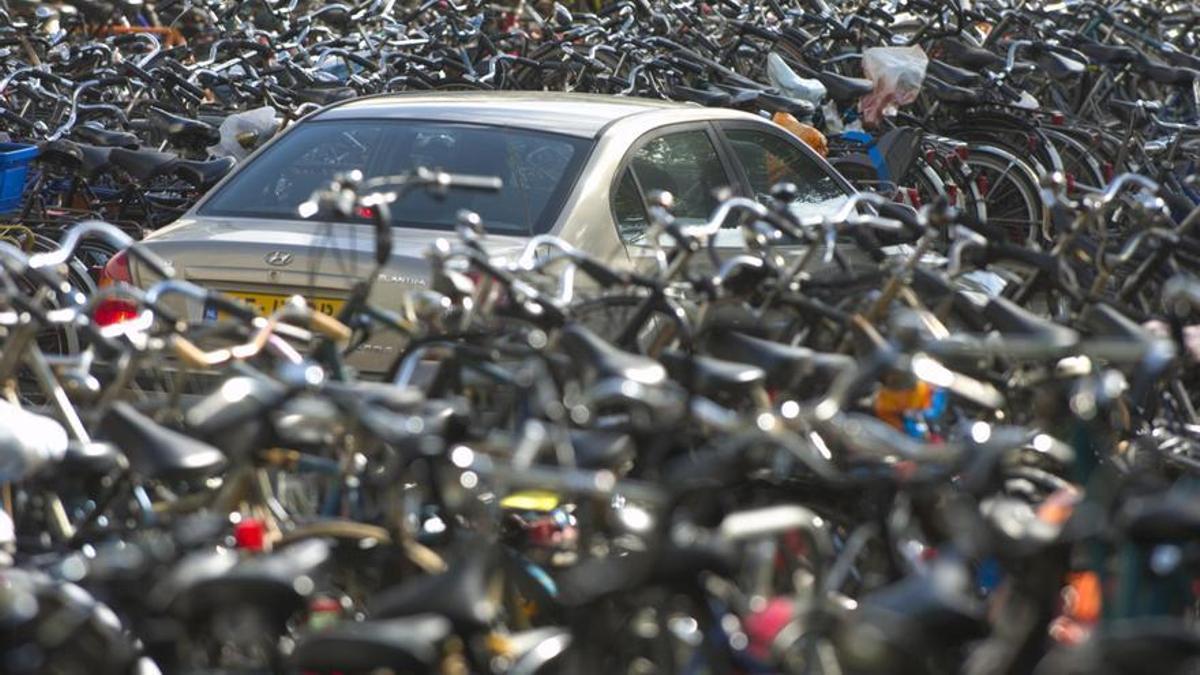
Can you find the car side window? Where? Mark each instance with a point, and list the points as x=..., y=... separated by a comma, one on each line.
x=769, y=159
x=684, y=163
x=630, y=209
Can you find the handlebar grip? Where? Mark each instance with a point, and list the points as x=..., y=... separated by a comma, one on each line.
x=258, y=47
x=361, y=60
x=471, y=182
x=136, y=71
x=112, y=81
x=612, y=8
x=329, y=327
x=1036, y=259
x=188, y=352
x=125, y=38
x=186, y=86
x=19, y=120
x=756, y=30
x=46, y=76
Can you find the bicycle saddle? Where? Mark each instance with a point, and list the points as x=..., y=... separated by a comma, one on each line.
x=1160, y=518
x=949, y=93
x=596, y=578
x=156, y=451
x=705, y=97
x=971, y=57
x=183, y=130
x=1126, y=646
x=609, y=361
x=710, y=376
x=1008, y=317
x=90, y=161
x=782, y=364
x=410, y=644
x=95, y=458
x=325, y=95
x=1060, y=67
x=602, y=449
x=741, y=96
x=1181, y=59
x=1108, y=55
x=1164, y=74
x=234, y=416
x=1103, y=321
x=105, y=138
x=772, y=102
x=265, y=581
x=910, y=616
x=1129, y=112
x=842, y=89
x=142, y=164
x=959, y=77
x=459, y=594
x=203, y=174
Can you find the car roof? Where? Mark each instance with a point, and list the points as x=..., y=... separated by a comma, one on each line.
x=581, y=115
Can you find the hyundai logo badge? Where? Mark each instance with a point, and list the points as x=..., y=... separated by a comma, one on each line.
x=278, y=258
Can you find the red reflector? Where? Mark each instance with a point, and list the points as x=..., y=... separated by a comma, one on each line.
x=1070, y=182
x=250, y=534
x=109, y=312
x=914, y=198
x=952, y=193
x=982, y=182
x=1108, y=172
x=963, y=152
x=930, y=156
x=365, y=212
x=1058, y=119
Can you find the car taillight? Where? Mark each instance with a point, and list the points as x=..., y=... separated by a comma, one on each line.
x=113, y=311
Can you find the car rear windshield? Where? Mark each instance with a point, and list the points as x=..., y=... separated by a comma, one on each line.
x=538, y=169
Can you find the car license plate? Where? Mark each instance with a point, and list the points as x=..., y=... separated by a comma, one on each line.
x=268, y=303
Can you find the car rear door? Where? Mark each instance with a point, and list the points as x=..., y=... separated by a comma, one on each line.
x=687, y=160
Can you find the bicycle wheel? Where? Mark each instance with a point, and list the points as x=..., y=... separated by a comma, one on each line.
x=611, y=317
x=1010, y=191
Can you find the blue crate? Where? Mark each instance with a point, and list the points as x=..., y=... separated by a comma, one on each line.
x=14, y=164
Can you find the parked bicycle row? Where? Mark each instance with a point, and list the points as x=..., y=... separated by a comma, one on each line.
x=975, y=114
x=883, y=358
x=732, y=461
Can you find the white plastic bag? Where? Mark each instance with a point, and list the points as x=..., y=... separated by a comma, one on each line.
x=27, y=442
x=786, y=80
x=897, y=73
x=255, y=125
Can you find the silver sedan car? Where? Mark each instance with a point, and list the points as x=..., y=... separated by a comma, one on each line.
x=577, y=166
